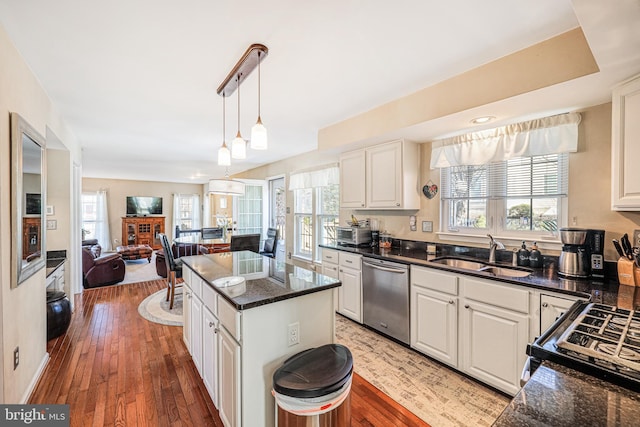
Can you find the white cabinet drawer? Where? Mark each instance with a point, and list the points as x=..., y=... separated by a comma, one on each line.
x=505, y=296
x=436, y=280
x=229, y=318
x=350, y=260
x=210, y=298
x=329, y=256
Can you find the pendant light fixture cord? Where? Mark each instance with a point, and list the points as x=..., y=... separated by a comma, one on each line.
x=239, y=104
x=259, y=91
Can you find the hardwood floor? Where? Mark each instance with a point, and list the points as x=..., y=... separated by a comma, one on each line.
x=115, y=368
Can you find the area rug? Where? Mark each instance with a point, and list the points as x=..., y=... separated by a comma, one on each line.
x=140, y=270
x=436, y=394
x=155, y=308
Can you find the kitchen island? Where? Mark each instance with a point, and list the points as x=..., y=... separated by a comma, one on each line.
x=244, y=315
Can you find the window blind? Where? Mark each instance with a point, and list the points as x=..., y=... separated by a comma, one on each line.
x=523, y=177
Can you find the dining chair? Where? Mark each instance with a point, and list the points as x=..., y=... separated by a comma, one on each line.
x=270, y=243
x=174, y=269
x=245, y=242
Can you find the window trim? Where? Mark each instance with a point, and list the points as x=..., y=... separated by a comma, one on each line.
x=316, y=214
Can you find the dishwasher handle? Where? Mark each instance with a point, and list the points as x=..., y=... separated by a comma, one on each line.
x=390, y=270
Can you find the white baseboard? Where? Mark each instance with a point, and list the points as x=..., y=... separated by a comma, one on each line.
x=35, y=379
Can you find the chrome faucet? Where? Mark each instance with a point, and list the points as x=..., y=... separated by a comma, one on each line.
x=493, y=245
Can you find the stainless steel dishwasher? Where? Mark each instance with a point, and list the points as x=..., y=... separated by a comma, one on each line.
x=385, y=297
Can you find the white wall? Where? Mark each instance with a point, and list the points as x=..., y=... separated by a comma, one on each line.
x=23, y=313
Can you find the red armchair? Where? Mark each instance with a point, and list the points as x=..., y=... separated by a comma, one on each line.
x=101, y=271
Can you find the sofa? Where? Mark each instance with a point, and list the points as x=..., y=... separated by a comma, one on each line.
x=101, y=270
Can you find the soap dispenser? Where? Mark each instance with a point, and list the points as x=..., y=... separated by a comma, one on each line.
x=535, y=256
x=523, y=256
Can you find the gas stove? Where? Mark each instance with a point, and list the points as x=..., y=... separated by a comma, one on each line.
x=597, y=339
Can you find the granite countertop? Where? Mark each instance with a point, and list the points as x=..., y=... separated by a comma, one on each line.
x=287, y=281
x=547, y=278
x=559, y=396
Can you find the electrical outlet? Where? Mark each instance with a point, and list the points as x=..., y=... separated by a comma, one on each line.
x=636, y=239
x=16, y=358
x=293, y=334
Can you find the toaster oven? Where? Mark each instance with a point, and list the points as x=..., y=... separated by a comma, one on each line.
x=353, y=236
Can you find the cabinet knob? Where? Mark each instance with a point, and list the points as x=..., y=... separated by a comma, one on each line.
x=466, y=306
x=397, y=204
x=450, y=301
x=210, y=324
x=362, y=205
x=545, y=304
x=216, y=330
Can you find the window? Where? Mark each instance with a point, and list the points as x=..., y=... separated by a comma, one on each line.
x=89, y=215
x=315, y=219
x=186, y=211
x=520, y=197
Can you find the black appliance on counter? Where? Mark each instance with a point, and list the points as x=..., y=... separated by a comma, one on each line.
x=597, y=339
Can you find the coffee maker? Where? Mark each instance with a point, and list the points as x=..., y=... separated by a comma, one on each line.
x=582, y=253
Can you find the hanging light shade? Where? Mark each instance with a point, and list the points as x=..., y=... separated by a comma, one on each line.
x=239, y=145
x=224, y=155
x=258, y=131
x=226, y=186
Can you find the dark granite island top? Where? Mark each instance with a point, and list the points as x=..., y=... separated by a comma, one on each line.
x=560, y=396
x=287, y=281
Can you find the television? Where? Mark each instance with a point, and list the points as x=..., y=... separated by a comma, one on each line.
x=33, y=204
x=144, y=206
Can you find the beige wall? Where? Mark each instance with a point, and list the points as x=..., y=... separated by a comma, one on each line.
x=119, y=189
x=23, y=314
x=59, y=196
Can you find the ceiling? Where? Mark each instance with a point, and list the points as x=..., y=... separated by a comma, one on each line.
x=136, y=80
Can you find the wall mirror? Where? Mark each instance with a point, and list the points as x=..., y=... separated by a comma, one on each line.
x=28, y=200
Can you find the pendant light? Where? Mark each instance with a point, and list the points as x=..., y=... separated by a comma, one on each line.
x=258, y=131
x=239, y=145
x=224, y=155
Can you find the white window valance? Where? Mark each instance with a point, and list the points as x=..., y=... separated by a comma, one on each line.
x=314, y=178
x=549, y=135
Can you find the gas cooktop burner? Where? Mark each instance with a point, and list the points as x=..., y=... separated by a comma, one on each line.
x=606, y=335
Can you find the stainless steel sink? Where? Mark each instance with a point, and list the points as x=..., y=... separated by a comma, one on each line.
x=466, y=264
x=460, y=263
x=505, y=271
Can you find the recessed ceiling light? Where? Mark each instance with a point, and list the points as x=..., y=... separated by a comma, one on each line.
x=483, y=119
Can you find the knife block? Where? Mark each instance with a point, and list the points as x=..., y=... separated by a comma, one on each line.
x=628, y=272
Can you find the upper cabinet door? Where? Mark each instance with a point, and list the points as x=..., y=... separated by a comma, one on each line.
x=384, y=176
x=352, y=183
x=625, y=144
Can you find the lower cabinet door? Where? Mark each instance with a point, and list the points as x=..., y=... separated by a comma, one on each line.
x=210, y=353
x=434, y=324
x=229, y=377
x=187, y=294
x=196, y=332
x=494, y=342
x=350, y=294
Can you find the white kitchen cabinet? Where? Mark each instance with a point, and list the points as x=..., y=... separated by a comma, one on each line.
x=383, y=176
x=350, y=293
x=352, y=183
x=187, y=295
x=196, y=331
x=229, y=397
x=551, y=308
x=625, y=154
x=494, y=332
x=210, y=353
x=434, y=314
x=392, y=176
x=331, y=269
